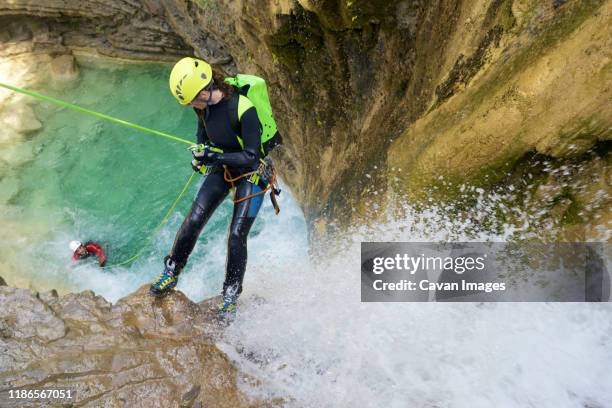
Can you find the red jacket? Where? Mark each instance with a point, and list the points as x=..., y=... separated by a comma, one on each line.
x=92, y=249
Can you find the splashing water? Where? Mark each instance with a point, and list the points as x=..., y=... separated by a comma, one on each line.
x=312, y=342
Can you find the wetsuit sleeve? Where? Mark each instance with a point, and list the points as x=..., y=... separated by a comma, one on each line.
x=96, y=249
x=250, y=130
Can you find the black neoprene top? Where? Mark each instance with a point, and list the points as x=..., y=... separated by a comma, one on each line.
x=218, y=132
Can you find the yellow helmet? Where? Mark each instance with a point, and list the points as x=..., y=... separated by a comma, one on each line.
x=188, y=77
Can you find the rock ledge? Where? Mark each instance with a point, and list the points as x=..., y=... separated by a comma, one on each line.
x=139, y=352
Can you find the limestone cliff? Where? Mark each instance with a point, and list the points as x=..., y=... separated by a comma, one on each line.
x=377, y=97
x=136, y=353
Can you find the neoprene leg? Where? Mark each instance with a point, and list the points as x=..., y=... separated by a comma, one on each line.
x=242, y=220
x=211, y=194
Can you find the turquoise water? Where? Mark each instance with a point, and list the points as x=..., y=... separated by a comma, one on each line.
x=84, y=178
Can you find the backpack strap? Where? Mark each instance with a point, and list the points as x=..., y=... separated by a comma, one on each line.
x=244, y=104
x=236, y=110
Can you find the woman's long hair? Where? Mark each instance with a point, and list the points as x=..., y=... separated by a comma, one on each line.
x=227, y=89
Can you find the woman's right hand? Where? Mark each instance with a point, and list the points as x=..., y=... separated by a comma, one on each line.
x=198, y=166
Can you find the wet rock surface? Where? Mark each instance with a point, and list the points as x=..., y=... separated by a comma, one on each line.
x=20, y=118
x=139, y=352
x=64, y=69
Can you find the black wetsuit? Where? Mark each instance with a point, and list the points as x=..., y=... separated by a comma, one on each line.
x=218, y=131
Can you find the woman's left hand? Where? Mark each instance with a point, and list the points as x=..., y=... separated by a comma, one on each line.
x=207, y=156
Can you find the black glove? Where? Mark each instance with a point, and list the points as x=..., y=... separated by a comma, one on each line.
x=197, y=166
x=205, y=154
x=208, y=156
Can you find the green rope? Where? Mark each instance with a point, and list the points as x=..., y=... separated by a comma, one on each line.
x=161, y=224
x=90, y=112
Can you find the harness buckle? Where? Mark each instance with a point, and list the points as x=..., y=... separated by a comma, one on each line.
x=263, y=173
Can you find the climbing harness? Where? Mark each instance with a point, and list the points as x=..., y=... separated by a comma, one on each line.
x=264, y=177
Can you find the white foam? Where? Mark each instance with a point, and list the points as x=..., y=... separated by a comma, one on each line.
x=311, y=340
x=304, y=334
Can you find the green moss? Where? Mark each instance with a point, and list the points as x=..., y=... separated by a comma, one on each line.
x=208, y=4
x=289, y=54
x=298, y=36
x=505, y=18
x=571, y=216
x=518, y=187
x=513, y=155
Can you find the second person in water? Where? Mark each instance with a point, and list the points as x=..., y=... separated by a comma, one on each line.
x=228, y=153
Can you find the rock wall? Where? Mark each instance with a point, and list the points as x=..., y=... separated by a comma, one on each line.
x=543, y=92
x=139, y=352
x=374, y=98
x=122, y=29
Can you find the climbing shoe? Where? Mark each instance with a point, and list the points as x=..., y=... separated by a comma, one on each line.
x=167, y=280
x=226, y=311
